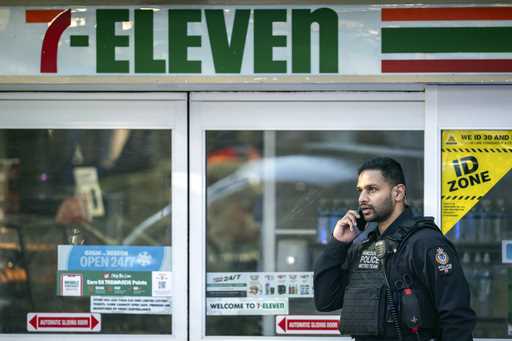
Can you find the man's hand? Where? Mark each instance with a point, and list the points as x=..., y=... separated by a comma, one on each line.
x=346, y=228
x=72, y=211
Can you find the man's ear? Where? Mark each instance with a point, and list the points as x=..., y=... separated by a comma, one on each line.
x=398, y=192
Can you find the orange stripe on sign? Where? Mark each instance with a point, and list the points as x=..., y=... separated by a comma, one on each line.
x=42, y=15
x=444, y=13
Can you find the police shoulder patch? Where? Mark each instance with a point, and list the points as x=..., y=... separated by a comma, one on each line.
x=442, y=261
x=442, y=257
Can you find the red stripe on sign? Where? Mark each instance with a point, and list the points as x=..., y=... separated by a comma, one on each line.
x=41, y=15
x=51, y=42
x=443, y=13
x=446, y=65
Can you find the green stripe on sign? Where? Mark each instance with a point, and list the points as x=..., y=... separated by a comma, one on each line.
x=79, y=41
x=446, y=39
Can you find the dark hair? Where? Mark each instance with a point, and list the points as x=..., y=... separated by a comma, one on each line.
x=390, y=169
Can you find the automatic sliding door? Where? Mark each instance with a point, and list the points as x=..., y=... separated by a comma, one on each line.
x=93, y=214
x=277, y=172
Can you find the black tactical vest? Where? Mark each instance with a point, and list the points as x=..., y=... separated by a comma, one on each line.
x=365, y=310
x=364, y=301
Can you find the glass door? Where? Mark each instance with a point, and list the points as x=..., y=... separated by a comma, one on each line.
x=270, y=175
x=93, y=225
x=474, y=148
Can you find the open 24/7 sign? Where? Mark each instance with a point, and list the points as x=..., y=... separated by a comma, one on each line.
x=107, y=258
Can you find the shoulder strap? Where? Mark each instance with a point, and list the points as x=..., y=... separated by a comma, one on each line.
x=411, y=226
x=404, y=232
x=427, y=222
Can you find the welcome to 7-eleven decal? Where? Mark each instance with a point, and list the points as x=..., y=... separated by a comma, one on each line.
x=473, y=162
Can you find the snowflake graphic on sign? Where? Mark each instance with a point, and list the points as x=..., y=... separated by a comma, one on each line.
x=144, y=259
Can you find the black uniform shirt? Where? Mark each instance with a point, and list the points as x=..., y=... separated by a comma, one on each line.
x=432, y=261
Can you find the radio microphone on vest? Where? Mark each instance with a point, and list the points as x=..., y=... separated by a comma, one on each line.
x=380, y=249
x=380, y=252
x=411, y=315
x=383, y=247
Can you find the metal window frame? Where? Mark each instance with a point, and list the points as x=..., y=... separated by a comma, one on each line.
x=459, y=107
x=109, y=111
x=98, y=114
x=276, y=111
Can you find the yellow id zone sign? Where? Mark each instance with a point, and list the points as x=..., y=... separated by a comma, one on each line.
x=473, y=161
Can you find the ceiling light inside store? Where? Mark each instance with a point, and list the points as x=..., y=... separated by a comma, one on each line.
x=80, y=21
x=300, y=186
x=127, y=25
x=4, y=18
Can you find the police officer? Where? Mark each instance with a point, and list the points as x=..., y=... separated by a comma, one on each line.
x=401, y=278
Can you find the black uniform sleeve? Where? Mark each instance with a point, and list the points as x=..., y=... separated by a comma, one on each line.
x=331, y=277
x=440, y=267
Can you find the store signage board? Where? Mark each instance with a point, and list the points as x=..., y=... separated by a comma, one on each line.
x=96, y=283
x=64, y=322
x=131, y=305
x=308, y=324
x=473, y=162
x=258, y=42
x=113, y=258
x=259, y=284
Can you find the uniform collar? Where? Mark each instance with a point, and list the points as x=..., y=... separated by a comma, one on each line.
x=406, y=215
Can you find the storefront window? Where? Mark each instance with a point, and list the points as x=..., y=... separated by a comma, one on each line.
x=84, y=214
x=476, y=217
x=273, y=198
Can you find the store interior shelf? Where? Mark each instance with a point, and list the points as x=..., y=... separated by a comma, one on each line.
x=476, y=246
x=295, y=232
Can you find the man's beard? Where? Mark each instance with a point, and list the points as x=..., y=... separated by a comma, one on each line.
x=383, y=212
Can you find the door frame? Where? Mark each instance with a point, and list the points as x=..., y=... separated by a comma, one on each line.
x=109, y=111
x=278, y=111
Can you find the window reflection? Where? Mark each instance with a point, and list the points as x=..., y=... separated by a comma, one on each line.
x=478, y=238
x=273, y=197
x=90, y=187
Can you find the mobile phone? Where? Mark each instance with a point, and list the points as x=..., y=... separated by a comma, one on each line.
x=361, y=222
